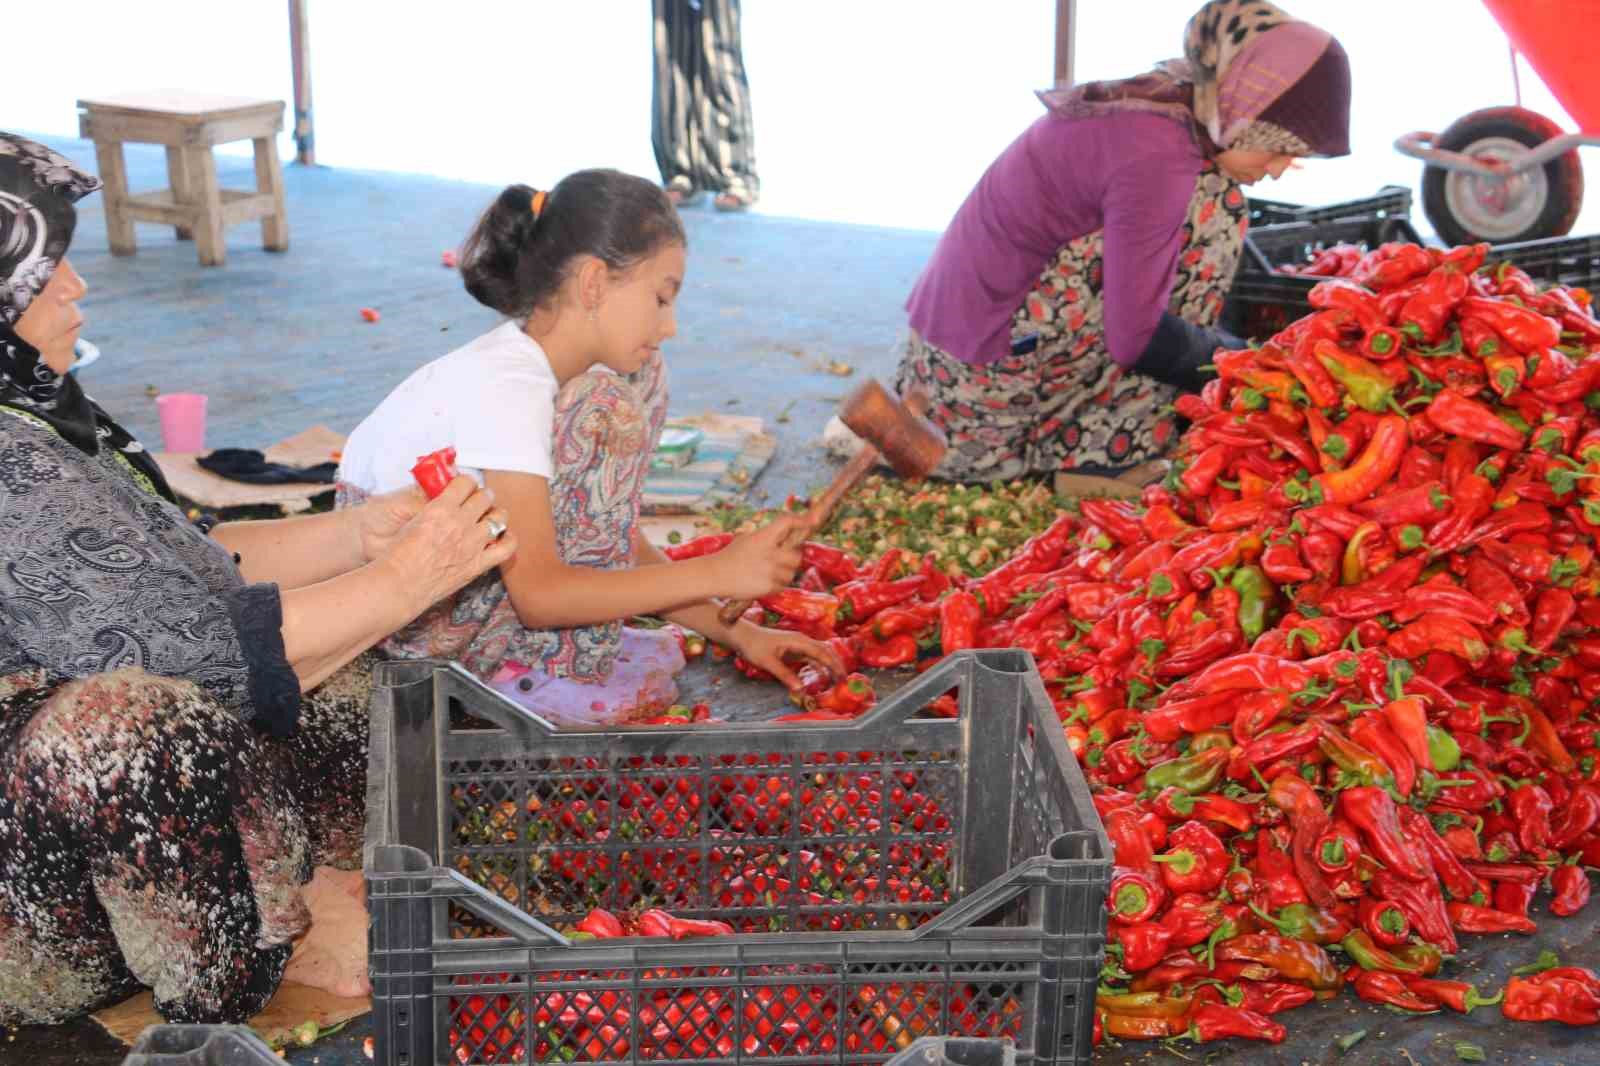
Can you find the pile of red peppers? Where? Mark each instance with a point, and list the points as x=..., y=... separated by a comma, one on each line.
x=1334, y=681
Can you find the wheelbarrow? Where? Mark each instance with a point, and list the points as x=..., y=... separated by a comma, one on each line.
x=1508, y=174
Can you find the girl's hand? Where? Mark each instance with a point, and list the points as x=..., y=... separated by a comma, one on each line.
x=380, y=519
x=450, y=541
x=768, y=648
x=762, y=562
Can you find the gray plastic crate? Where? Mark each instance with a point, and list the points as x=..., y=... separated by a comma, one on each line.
x=200, y=1045
x=956, y=1051
x=980, y=864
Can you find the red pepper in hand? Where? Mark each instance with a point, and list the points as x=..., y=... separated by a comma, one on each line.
x=851, y=696
x=709, y=544
x=435, y=470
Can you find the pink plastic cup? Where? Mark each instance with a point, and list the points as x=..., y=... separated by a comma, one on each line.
x=183, y=421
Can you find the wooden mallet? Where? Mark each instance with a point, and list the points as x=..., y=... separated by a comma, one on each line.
x=893, y=429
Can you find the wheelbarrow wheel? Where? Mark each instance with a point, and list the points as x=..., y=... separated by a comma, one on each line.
x=1464, y=208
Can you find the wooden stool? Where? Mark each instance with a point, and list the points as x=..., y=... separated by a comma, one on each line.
x=189, y=124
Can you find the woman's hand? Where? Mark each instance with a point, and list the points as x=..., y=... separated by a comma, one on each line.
x=380, y=519
x=762, y=562
x=769, y=648
x=450, y=541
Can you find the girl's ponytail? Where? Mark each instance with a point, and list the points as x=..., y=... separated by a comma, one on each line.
x=517, y=254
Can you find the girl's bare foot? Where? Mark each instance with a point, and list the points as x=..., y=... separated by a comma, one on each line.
x=332, y=955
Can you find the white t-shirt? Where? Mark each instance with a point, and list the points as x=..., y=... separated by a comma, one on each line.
x=493, y=400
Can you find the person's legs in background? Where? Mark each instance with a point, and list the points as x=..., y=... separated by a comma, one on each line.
x=675, y=30
x=723, y=114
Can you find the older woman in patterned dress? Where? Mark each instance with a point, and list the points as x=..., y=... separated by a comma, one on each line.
x=1075, y=291
x=182, y=708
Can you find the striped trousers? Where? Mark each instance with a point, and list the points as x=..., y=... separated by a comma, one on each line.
x=702, y=129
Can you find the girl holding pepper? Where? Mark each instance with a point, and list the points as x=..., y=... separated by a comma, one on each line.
x=1073, y=295
x=558, y=411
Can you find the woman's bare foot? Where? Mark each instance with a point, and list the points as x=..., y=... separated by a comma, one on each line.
x=332, y=955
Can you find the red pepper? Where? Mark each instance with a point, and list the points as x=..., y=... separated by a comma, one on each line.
x=1457, y=995
x=1175, y=804
x=1446, y=865
x=1390, y=265
x=1440, y=594
x=1454, y=413
x=1439, y=631
x=1579, y=815
x=1143, y=944
x=709, y=544
x=1423, y=317
x=1296, y=960
x=1375, y=466
x=1529, y=332
x=849, y=697
x=1373, y=734
x=1567, y=994
x=1202, y=470
x=1513, y=898
x=435, y=471
x=601, y=924
x=808, y=608
x=1384, y=921
x=861, y=599
x=1338, y=848
x=896, y=651
x=1555, y=608
x=907, y=618
x=1372, y=811
x=1466, y=918
x=1195, y=860
x=1377, y=986
x=1216, y=1021
x=1570, y=884
x=959, y=615
x=1423, y=905
x=1191, y=918
x=831, y=563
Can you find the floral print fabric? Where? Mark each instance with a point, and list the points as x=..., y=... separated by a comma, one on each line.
x=1067, y=405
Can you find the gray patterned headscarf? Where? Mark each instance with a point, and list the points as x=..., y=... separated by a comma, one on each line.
x=37, y=191
x=1250, y=77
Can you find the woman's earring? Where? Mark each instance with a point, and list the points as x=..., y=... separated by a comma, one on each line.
x=591, y=314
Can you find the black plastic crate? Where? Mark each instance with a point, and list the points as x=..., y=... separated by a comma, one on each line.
x=200, y=1045
x=1556, y=260
x=980, y=862
x=1391, y=200
x=956, y=1051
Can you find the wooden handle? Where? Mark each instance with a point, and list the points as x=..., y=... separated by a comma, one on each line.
x=817, y=514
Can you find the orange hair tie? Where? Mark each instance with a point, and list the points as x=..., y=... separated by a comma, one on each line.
x=537, y=206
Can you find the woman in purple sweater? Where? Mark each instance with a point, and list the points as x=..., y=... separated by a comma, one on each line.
x=1075, y=292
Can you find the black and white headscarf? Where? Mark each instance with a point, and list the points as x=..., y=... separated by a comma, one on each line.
x=37, y=191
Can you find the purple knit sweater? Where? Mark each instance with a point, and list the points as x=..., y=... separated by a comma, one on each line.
x=1131, y=174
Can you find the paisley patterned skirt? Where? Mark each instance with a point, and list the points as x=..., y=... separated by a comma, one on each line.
x=606, y=428
x=149, y=837
x=1067, y=405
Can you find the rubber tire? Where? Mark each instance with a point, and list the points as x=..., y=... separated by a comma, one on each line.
x=1563, y=175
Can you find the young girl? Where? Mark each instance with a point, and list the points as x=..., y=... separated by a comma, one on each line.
x=558, y=411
